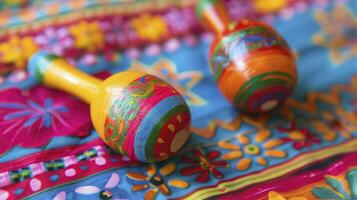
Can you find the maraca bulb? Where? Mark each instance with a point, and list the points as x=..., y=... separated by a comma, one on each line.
x=252, y=64
x=136, y=114
x=141, y=116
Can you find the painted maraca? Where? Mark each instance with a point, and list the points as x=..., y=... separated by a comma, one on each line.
x=136, y=114
x=252, y=64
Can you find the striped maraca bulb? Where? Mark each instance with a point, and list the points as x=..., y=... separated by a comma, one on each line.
x=252, y=64
x=136, y=114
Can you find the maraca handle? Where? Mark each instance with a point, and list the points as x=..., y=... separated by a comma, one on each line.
x=213, y=15
x=57, y=73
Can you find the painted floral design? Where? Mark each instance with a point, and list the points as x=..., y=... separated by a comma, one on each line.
x=339, y=122
x=336, y=188
x=203, y=165
x=338, y=33
x=150, y=27
x=248, y=151
x=155, y=180
x=17, y=50
x=103, y=189
x=299, y=137
x=109, y=191
x=56, y=41
x=38, y=115
x=88, y=36
x=182, y=82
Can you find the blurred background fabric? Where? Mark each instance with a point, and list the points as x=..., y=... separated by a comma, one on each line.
x=306, y=149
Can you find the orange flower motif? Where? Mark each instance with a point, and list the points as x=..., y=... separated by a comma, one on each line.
x=259, y=150
x=342, y=122
x=88, y=36
x=150, y=27
x=338, y=33
x=155, y=179
x=17, y=50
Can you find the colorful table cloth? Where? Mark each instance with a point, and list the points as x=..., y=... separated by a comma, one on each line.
x=307, y=149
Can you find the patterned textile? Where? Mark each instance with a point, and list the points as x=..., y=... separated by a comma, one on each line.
x=304, y=150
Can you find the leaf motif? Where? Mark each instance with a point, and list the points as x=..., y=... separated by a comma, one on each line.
x=60, y=196
x=87, y=190
x=325, y=193
x=113, y=181
x=335, y=184
x=352, y=182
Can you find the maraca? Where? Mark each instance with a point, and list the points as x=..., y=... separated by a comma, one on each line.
x=252, y=64
x=136, y=114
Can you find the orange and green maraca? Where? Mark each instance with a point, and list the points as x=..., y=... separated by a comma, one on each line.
x=252, y=64
x=136, y=114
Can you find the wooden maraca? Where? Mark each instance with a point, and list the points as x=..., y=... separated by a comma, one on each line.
x=136, y=114
x=252, y=64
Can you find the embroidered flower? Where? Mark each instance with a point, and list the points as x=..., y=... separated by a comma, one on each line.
x=269, y=6
x=150, y=27
x=17, y=50
x=13, y=3
x=109, y=191
x=259, y=150
x=336, y=188
x=204, y=165
x=300, y=138
x=180, y=20
x=87, y=35
x=55, y=40
x=115, y=32
x=338, y=33
x=340, y=122
x=38, y=115
x=156, y=180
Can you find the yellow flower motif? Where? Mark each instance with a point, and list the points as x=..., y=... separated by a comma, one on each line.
x=156, y=181
x=88, y=36
x=338, y=33
x=267, y=6
x=259, y=150
x=342, y=122
x=150, y=27
x=166, y=70
x=13, y=2
x=17, y=50
x=276, y=196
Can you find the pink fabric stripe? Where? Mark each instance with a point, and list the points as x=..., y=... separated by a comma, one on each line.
x=47, y=155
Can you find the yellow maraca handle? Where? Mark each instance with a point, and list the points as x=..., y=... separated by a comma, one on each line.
x=57, y=73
